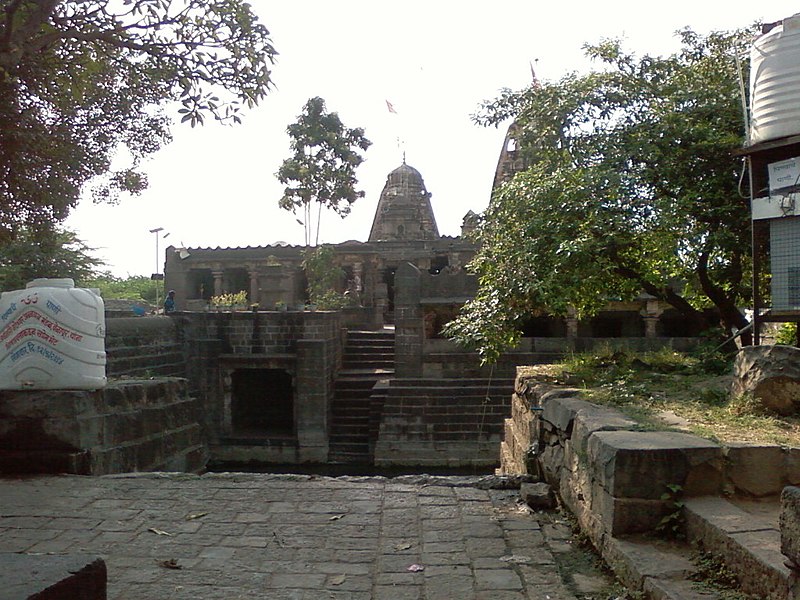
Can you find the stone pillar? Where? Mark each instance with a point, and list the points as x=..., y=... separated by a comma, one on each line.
x=408, y=322
x=254, y=290
x=312, y=400
x=571, y=320
x=217, y=282
x=651, y=313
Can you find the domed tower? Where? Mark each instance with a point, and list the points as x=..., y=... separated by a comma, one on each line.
x=404, y=210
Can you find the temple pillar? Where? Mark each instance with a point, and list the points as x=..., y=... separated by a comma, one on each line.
x=217, y=282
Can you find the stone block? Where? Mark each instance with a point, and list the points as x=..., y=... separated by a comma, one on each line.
x=635, y=560
x=622, y=516
x=636, y=464
x=791, y=468
x=561, y=411
x=754, y=470
x=749, y=544
x=551, y=461
x=592, y=418
x=539, y=496
x=790, y=523
x=72, y=577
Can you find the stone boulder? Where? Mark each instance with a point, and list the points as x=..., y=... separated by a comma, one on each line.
x=771, y=374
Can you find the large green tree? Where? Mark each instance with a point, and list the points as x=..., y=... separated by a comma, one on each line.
x=84, y=84
x=322, y=167
x=631, y=185
x=61, y=254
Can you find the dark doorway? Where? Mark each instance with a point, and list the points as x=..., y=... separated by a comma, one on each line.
x=262, y=401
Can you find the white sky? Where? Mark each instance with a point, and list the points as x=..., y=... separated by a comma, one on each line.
x=435, y=61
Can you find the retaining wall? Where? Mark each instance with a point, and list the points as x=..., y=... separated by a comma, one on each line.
x=615, y=477
x=132, y=425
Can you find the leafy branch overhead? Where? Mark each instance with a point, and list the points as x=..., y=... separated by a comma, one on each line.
x=321, y=169
x=82, y=79
x=630, y=186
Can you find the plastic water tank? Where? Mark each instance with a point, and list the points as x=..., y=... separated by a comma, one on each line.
x=52, y=336
x=775, y=83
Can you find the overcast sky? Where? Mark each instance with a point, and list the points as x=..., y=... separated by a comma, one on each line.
x=435, y=61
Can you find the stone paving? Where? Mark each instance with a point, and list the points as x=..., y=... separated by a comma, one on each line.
x=228, y=536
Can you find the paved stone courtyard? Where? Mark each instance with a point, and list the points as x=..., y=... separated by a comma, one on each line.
x=228, y=536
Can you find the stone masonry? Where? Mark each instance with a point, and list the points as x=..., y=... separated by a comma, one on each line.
x=225, y=536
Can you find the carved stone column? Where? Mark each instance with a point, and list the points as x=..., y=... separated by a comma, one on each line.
x=217, y=282
x=254, y=289
x=651, y=313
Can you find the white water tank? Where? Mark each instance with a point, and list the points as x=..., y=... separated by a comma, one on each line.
x=52, y=336
x=775, y=83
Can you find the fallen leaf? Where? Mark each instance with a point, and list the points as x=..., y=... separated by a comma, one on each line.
x=338, y=580
x=159, y=531
x=336, y=517
x=172, y=563
x=516, y=558
x=402, y=546
x=416, y=568
x=193, y=516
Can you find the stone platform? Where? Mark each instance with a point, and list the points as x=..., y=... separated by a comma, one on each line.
x=224, y=536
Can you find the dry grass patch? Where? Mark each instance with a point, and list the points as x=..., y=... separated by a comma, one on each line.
x=672, y=390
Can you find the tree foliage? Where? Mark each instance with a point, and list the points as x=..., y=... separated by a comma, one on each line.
x=325, y=155
x=60, y=254
x=631, y=186
x=136, y=288
x=83, y=84
x=324, y=278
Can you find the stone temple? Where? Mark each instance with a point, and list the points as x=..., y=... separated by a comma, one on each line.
x=276, y=382
x=403, y=230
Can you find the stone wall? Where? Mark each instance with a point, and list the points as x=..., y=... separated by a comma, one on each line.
x=614, y=477
x=132, y=425
x=441, y=422
x=306, y=345
x=144, y=346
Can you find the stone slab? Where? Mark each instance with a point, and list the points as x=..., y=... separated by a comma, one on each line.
x=674, y=589
x=52, y=577
x=640, y=464
x=635, y=560
x=790, y=523
x=749, y=544
x=755, y=470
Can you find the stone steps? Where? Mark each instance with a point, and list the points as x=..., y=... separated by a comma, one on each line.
x=746, y=535
x=368, y=358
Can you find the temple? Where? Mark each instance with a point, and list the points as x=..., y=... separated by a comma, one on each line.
x=404, y=230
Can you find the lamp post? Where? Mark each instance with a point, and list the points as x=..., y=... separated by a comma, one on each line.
x=157, y=276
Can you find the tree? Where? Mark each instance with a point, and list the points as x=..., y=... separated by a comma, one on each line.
x=136, y=288
x=60, y=254
x=324, y=277
x=83, y=84
x=631, y=186
x=325, y=155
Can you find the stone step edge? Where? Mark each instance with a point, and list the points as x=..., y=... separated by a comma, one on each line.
x=748, y=544
x=659, y=568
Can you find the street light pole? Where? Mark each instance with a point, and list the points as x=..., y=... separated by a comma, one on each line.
x=156, y=231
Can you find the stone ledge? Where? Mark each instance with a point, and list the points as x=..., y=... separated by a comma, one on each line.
x=749, y=545
x=52, y=577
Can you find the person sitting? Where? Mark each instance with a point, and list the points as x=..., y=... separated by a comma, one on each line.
x=169, y=302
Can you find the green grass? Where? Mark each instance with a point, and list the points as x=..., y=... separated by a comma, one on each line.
x=674, y=390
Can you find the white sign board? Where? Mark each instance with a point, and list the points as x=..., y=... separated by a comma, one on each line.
x=773, y=207
x=784, y=174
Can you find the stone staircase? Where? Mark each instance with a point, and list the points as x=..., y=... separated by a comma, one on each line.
x=368, y=359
